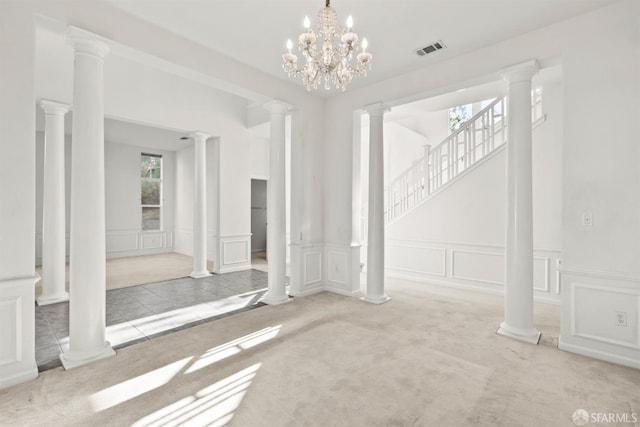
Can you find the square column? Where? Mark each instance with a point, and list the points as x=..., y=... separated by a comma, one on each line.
x=200, y=206
x=53, y=206
x=87, y=265
x=375, y=245
x=518, y=301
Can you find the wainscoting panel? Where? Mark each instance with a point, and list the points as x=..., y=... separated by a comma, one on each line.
x=17, y=331
x=312, y=267
x=123, y=243
x=152, y=240
x=415, y=259
x=234, y=253
x=476, y=266
x=601, y=316
x=308, y=278
x=338, y=269
x=466, y=265
x=541, y=273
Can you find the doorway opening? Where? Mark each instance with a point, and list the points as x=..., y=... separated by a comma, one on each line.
x=259, y=224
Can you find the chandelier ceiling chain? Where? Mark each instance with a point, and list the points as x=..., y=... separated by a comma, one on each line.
x=328, y=51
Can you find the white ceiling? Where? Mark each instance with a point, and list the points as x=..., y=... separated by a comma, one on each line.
x=255, y=31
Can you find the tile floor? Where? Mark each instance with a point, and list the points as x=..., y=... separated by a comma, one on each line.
x=143, y=312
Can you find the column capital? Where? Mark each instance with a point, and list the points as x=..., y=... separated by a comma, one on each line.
x=54, y=108
x=87, y=42
x=199, y=136
x=377, y=109
x=520, y=72
x=277, y=107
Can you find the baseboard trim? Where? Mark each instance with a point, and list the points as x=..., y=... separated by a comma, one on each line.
x=467, y=287
x=30, y=373
x=233, y=269
x=597, y=354
x=307, y=292
x=342, y=291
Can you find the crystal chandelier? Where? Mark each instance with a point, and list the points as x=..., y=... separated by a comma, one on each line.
x=328, y=51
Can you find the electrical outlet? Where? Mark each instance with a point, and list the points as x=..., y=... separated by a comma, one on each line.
x=621, y=319
x=587, y=219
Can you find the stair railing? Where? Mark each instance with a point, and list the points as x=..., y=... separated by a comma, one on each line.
x=475, y=139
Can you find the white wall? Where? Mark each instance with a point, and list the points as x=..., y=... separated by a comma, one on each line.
x=17, y=194
x=123, y=212
x=259, y=156
x=228, y=201
x=600, y=163
x=457, y=236
x=124, y=236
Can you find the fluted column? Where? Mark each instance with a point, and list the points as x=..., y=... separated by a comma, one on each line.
x=53, y=206
x=87, y=265
x=518, y=302
x=276, y=207
x=200, y=206
x=375, y=245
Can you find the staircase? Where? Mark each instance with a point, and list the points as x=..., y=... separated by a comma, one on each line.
x=482, y=136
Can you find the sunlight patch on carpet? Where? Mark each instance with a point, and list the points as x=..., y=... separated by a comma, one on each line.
x=230, y=348
x=213, y=405
x=134, y=387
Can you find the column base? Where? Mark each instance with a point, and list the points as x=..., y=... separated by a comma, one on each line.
x=199, y=274
x=73, y=359
x=275, y=300
x=531, y=336
x=376, y=300
x=52, y=300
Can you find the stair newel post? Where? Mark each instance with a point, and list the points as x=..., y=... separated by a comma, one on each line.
x=426, y=171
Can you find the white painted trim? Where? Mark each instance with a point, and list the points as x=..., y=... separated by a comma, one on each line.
x=600, y=274
x=224, y=270
x=607, y=289
x=597, y=354
x=469, y=287
x=339, y=291
x=453, y=270
x=304, y=268
x=306, y=292
x=546, y=261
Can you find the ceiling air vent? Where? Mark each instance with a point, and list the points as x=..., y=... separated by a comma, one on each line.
x=431, y=48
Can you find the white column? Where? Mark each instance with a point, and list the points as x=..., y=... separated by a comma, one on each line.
x=375, y=246
x=200, y=206
x=276, y=207
x=53, y=206
x=87, y=269
x=518, y=302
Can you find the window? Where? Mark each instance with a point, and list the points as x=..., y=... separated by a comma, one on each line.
x=458, y=116
x=151, y=191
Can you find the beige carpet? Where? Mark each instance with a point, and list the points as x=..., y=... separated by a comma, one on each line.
x=138, y=270
x=428, y=357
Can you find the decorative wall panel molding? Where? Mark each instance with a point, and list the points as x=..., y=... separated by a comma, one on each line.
x=234, y=253
x=17, y=330
x=601, y=315
x=468, y=265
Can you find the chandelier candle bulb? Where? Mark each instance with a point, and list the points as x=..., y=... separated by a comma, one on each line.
x=328, y=49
